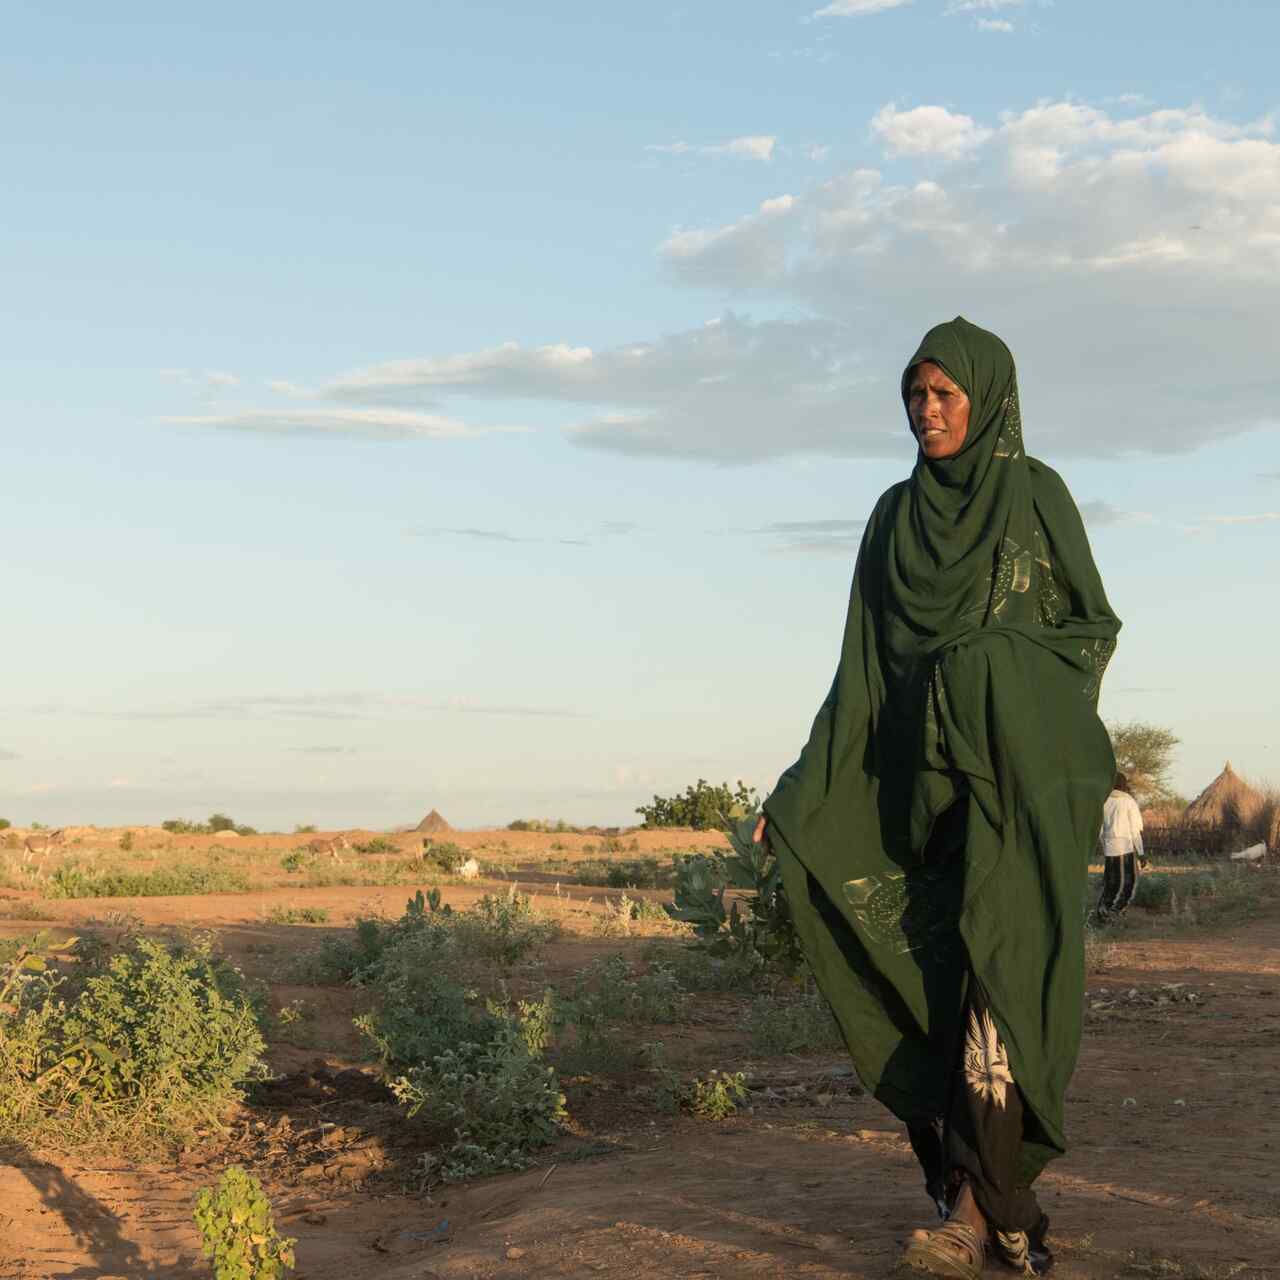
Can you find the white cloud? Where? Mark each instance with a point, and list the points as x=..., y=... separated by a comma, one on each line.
x=927, y=131
x=982, y=6
x=755, y=146
x=858, y=8
x=1132, y=262
x=994, y=24
x=1266, y=517
x=1097, y=514
x=208, y=381
x=371, y=424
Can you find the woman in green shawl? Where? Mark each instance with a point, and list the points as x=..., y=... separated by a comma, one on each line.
x=934, y=835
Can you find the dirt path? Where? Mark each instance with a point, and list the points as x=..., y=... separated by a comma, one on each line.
x=1175, y=1125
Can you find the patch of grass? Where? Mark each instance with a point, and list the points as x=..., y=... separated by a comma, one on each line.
x=297, y=915
x=696, y=971
x=73, y=881
x=800, y=1023
x=24, y=910
x=718, y=1096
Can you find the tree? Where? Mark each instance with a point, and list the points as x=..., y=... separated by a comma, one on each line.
x=702, y=807
x=1144, y=754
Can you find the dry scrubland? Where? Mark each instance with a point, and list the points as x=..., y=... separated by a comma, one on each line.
x=531, y=1074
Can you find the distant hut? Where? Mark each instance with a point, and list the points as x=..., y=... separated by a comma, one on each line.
x=433, y=824
x=1227, y=802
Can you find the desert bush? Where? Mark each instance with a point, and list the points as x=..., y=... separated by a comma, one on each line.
x=238, y=1232
x=379, y=844
x=695, y=970
x=702, y=806
x=494, y=1102
x=447, y=856
x=297, y=860
x=766, y=928
x=556, y=826
x=5, y=824
x=1144, y=754
x=297, y=915
x=126, y=842
x=718, y=1096
x=799, y=1023
x=305, y=829
x=73, y=881
x=504, y=928
x=156, y=1042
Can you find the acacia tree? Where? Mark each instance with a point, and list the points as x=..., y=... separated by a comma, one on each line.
x=1144, y=754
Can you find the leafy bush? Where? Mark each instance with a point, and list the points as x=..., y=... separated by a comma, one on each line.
x=126, y=842
x=379, y=844
x=72, y=881
x=695, y=970
x=766, y=929
x=156, y=1042
x=556, y=826
x=448, y=857
x=217, y=822
x=717, y=1097
x=504, y=928
x=297, y=915
x=5, y=824
x=702, y=807
x=496, y=1101
x=305, y=829
x=238, y=1231
x=297, y=860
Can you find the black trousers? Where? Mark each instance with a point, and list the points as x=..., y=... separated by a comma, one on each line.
x=1119, y=880
x=979, y=1141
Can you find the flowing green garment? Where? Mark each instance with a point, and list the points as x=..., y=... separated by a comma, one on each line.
x=937, y=827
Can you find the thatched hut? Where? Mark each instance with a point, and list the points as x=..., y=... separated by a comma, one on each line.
x=433, y=824
x=1228, y=801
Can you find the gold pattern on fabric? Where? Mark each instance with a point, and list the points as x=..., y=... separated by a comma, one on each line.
x=1009, y=441
x=1015, y=1251
x=1097, y=655
x=903, y=912
x=1051, y=605
x=986, y=1061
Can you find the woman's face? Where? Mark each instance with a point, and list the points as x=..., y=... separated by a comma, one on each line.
x=939, y=412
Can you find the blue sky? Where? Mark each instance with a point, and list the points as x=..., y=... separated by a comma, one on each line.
x=475, y=405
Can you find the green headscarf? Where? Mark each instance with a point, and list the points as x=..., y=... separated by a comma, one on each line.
x=937, y=827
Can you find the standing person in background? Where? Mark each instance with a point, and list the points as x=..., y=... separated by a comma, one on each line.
x=1121, y=841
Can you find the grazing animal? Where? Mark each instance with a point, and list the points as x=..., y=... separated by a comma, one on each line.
x=334, y=846
x=40, y=842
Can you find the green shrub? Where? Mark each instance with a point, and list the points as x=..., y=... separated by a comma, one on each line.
x=448, y=857
x=238, y=1231
x=157, y=1042
x=305, y=829
x=73, y=881
x=766, y=928
x=717, y=1097
x=702, y=807
x=379, y=844
x=1154, y=891
x=126, y=842
x=505, y=928
x=5, y=824
x=297, y=915
x=297, y=860
x=493, y=1103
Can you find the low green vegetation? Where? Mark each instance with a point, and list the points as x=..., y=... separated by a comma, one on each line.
x=296, y=915
x=238, y=1231
x=129, y=1047
x=72, y=880
x=790, y=1021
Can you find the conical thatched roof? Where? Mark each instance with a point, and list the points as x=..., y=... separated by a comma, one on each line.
x=1228, y=801
x=433, y=822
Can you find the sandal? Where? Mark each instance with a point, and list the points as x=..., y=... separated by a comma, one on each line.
x=1025, y=1251
x=954, y=1250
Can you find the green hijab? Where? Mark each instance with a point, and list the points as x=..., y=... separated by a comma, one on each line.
x=937, y=826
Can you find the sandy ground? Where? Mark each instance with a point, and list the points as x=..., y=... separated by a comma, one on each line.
x=1174, y=1170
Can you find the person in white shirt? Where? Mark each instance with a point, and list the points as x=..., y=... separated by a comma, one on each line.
x=1121, y=841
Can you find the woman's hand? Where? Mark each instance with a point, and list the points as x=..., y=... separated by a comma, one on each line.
x=761, y=834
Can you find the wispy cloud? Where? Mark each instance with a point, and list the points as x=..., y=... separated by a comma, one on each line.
x=1265, y=517
x=1002, y=25
x=858, y=8
x=1098, y=514
x=367, y=424
x=354, y=705
x=755, y=146
x=210, y=381
x=496, y=535
x=324, y=751
x=811, y=537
